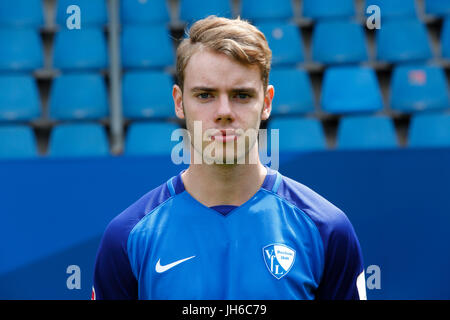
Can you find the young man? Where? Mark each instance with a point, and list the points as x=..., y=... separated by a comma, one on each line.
x=228, y=231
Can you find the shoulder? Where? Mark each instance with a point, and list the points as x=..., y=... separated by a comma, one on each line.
x=342, y=251
x=113, y=275
x=119, y=228
x=329, y=219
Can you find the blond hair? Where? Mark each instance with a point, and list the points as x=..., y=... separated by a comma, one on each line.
x=236, y=38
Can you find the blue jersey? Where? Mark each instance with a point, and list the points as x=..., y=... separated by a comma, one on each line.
x=285, y=242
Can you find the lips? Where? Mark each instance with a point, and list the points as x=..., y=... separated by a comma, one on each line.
x=225, y=135
x=226, y=138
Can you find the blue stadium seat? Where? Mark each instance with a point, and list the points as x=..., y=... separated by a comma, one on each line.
x=445, y=39
x=339, y=42
x=78, y=96
x=20, y=50
x=17, y=141
x=285, y=41
x=351, y=89
x=429, y=130
x=437, y=7
x=139, y=12
x=298, y=134
x=19, y=98
x=328, y=9
x=147, y=94
x=403, y=40
x=417, y=88
x=366, y=132
x=76, y=50
x=150, y=138
x=191, y=10
x=21, y=13
x=293, y=92
x=391, y=9
x=263, y=10
x=146, y=47
x=94, y=13
x=78, y=140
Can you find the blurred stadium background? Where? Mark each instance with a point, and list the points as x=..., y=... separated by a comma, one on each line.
x=364, y=119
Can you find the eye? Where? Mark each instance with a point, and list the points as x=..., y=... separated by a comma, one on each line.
x=242, y=96
x=204, y=95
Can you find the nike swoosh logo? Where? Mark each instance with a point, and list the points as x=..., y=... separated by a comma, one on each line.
x=160, y=269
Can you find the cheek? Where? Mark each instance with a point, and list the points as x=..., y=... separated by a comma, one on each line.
x=193, y=118
x=193, y=110
x=256, y=114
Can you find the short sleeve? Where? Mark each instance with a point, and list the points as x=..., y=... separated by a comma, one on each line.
x=343, y=275
x=113, y=277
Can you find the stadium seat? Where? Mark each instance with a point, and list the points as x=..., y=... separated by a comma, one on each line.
x=147, y=94
x=293, y=92
x=76, y=50
x=403, y=40
x=94, y=13
x=146, y=47
x=78, y=140
x=351, y=89
x=78, y=96
x=339, y=42
x=366, y=132
x=17, y=141
x=417, y=88
x=391, y=9
x=445, y=38
x=20, y=50
x=429, y=130
x=437, y=7
x=150, y=138
x=264, y=10
x=19, y=98
x=191, y=10
x=298, y=134
x=285, y=41
x=328, y=9
x=21, y=13
x=139, y=12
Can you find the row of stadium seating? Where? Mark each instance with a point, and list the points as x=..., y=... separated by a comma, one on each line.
x=29, y=13
x=333, y=42
x=296, y=134
x=337, y=41
x=81, y=96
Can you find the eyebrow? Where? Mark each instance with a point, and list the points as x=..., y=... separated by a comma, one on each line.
x=239, y=89
x=196, y=89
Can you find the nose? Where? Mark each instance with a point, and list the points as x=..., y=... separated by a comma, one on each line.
x=224, y=113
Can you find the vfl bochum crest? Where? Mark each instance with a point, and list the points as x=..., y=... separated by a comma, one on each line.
x=279, y=259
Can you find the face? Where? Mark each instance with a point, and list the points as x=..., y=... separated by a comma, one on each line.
x=229, y=101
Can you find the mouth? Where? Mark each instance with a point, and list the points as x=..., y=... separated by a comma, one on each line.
x=225, y=136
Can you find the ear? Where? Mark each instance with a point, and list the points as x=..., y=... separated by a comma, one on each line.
x=267, y=108
x=177, y=95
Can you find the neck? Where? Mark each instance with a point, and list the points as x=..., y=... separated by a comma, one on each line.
x=223, y=184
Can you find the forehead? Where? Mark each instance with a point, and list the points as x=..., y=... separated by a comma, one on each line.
x=217, y=70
